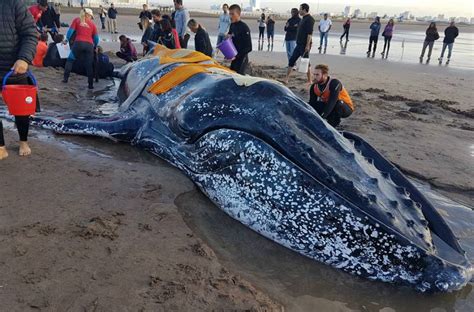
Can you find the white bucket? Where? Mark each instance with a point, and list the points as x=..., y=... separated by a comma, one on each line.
x=304, y=64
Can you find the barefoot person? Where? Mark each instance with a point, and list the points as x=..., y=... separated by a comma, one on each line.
x=303, y=40
x=328, y=97
x=18, y=38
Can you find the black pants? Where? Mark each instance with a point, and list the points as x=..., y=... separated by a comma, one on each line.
x=386, y=44
x=125, y=57
x=345, y=33
x=341, y=110
x=22, y=122
x=373, y=40
x=240, y=64
x=82, y=52
x=183, y=41
x=261, y=33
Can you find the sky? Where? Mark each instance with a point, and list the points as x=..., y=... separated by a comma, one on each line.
x=450, y=8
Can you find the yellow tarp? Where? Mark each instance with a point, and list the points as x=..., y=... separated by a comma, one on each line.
x=179, y=55
x=180, y=74
x=195, y=62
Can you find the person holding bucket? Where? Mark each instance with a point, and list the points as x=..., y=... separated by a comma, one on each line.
x=18, y=39
x=329, y=97
x=303, y=42
x=240, y=34
x=86, y=40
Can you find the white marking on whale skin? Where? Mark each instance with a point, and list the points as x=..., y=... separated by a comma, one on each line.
x=312, y=225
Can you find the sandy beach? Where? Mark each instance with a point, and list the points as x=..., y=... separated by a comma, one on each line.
x=87, y=224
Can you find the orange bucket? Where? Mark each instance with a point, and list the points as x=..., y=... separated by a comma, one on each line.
x=20, y=99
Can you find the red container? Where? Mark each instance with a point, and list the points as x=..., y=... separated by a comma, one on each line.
x=20, y=99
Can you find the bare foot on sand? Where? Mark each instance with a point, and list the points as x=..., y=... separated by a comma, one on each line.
x=3, y=152
x=24, y=149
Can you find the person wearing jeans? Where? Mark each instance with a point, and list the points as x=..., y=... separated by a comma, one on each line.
x=450, y=34
x=324, y=27
x=374, y=36
x=291, y=28
x=224, y=24
x=181, y=19
x=431, y=36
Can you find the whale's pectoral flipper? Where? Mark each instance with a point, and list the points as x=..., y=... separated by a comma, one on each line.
x=436, y=222
x=121, y=127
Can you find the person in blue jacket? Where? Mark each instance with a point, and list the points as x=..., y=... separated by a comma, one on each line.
x=374, y=36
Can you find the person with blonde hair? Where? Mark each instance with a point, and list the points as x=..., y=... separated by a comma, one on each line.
x=329, y=97
x=86, y=40
x=147, y=34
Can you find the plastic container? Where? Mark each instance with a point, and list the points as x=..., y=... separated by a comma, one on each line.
x=304, y=65
x=227, y=48
x=20, y=99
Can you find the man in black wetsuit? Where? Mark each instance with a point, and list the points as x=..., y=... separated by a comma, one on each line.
x=328, y=97
x=240, y=33
x=303, y=40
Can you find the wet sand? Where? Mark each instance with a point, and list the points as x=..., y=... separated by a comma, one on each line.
x=92, y=225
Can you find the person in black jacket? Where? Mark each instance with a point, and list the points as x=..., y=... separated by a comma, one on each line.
x=166, y=34
x=144, y=14
x=431, y=36
x=291, y=28
x=202, y=43
x=112, y=14
x=157, y=31
x=240, y=34
x=49, y=22
x=52, y=58
x=18, y=39
x=450, y=33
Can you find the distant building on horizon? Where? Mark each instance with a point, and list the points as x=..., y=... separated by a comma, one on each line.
x=405, y=15
x=347, y=11
x=357, y=13
x=255, y=5
x=372, y=15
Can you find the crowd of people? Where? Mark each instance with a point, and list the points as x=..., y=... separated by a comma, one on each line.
x=28, y=34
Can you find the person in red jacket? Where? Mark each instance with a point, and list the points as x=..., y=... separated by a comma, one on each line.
x=86, y=40
x=38, y=9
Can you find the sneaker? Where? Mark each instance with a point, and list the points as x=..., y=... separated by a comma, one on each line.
x=64, y=80
x=91, y=87
x=447, y=62
x=427, y=60
x=440, y=59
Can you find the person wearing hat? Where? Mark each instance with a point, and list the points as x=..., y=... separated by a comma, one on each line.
x=86, y=40
x=18, y=38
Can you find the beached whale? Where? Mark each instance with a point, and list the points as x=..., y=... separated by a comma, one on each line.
x=267, y=159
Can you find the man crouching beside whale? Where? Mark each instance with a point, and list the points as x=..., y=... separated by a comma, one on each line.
x=328, y=97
